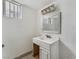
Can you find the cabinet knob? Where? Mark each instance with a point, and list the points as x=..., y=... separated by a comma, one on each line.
x=2, y=45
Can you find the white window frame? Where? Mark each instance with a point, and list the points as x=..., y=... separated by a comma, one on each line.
x=10, y=11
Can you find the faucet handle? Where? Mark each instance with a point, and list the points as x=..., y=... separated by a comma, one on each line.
x=48, y=36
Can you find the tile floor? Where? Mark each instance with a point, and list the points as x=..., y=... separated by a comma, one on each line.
x=29, y=56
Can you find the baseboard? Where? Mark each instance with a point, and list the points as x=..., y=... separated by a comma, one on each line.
x=23, y=55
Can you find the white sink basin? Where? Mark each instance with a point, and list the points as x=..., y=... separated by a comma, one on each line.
x=45, y=42
x=49, y=40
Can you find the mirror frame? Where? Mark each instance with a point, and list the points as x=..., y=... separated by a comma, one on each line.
x=53, y=32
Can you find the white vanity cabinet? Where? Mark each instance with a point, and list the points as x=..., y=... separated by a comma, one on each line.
x=48, y=48
x=51, y=52
x=44, y=53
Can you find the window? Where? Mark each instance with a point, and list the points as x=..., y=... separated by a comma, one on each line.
x=12, y=9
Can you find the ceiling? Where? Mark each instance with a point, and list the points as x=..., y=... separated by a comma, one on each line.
x=35, y=4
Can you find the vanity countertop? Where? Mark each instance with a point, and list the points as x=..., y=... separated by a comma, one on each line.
x=46, y=40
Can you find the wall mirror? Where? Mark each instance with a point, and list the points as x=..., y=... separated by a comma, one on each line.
x=52, y=23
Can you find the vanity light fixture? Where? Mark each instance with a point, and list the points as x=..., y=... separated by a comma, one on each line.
x=49, y=9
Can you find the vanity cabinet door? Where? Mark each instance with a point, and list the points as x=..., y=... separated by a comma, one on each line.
x=43, y=54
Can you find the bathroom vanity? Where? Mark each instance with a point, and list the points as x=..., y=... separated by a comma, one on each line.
x=48, y=47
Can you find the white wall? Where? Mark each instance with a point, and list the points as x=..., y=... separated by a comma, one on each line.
x=17, y=33
x=68, y=42
x=68, y=37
